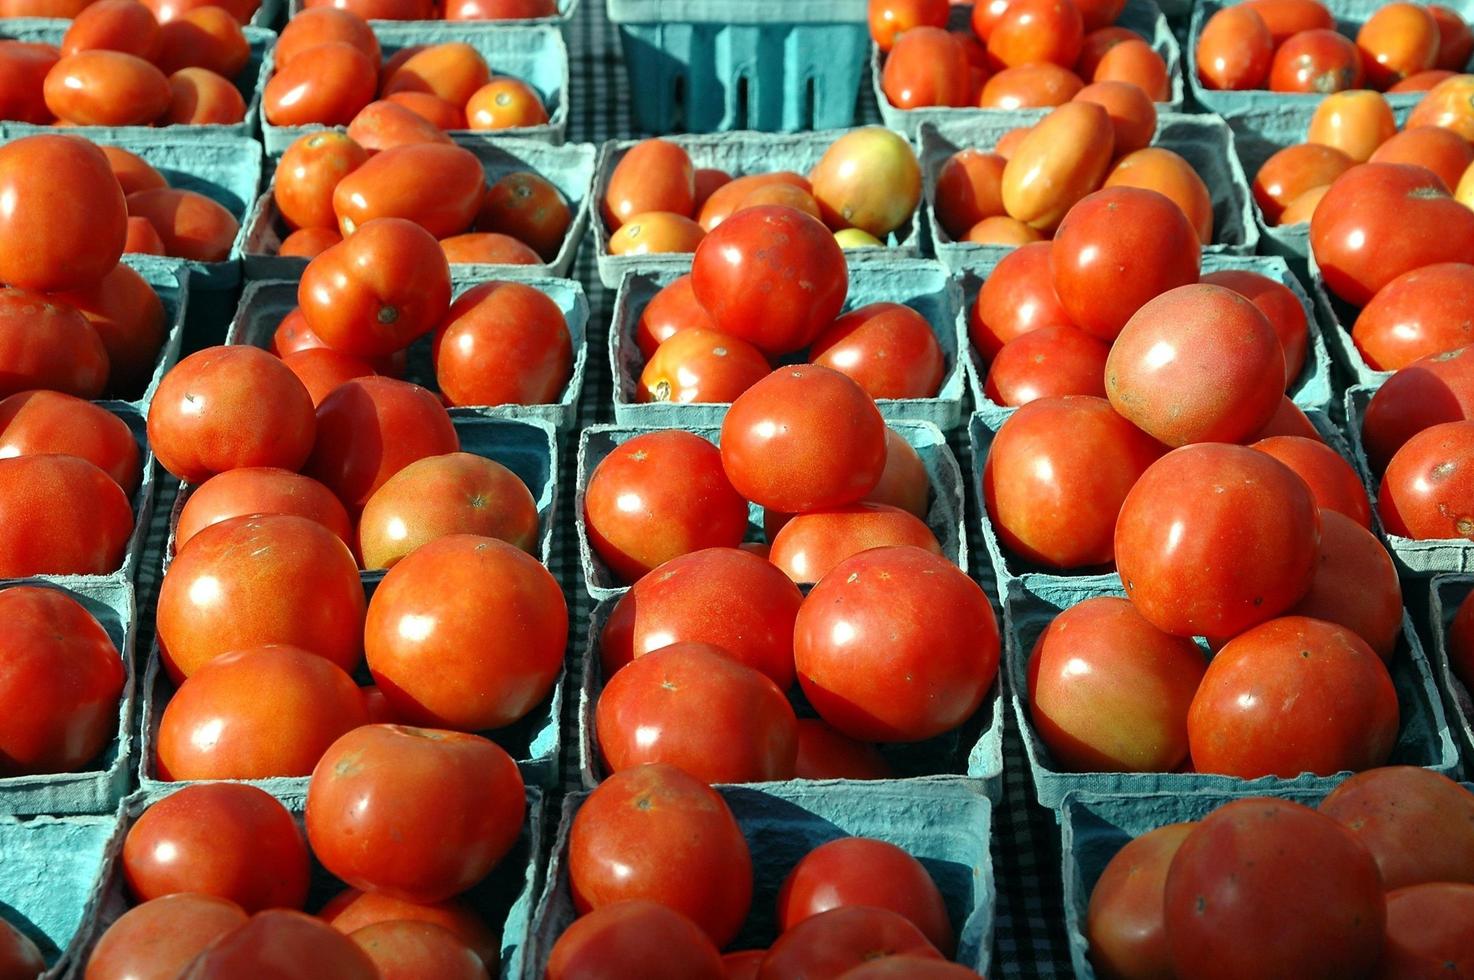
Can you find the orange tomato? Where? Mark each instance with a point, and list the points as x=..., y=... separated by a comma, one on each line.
x=383, y=125
x=1286, y=18
x=114, y=25
x=143, y=238
x=1449, y=104
x=327, y=89
x=1008, y=144
x=1133, y=116
x=1030, y=86
x=1062, y=159
x=23, y=71
x=134, y=173
x=432, y=107
x=200, y=97
x=308, y=172
x=1302, y=208
x=652, y=175
x=1444, y=152
x=206, y=37
x=191, y=225
x=1356, y=123
x=1137, y=63
x=106, y=88
x=890, y=18
x=324, y=25
x=1294, y=170
x=505, y=103
x=1159, y=169
x=308, y=243
x=1320, y=61
x=969, y=188
x=63, y=219
x=487, y=248
x=451, y=71
x=1002, y=230
x=529, y=208
x=724, y=200
x=1234, y=50
x=926, y=67
x=785, y=195
x=129, y=319
x=656, y=231
x=1423, y=81
x=439, y=186
x=1034, y=31
x=1097, y=43
x=1398, y=40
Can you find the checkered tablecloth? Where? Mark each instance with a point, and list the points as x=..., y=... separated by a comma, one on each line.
x=1030, y=940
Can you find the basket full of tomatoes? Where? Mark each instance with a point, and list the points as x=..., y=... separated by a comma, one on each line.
x=551, y=11
x=1448, y=623
x=53, y=865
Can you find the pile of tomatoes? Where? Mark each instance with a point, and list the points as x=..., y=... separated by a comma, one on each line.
x=432, y=9
x=1373, y=882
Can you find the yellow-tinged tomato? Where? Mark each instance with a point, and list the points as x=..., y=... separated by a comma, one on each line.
x=1355, y=122
x=1062, y=159
x=868, y=179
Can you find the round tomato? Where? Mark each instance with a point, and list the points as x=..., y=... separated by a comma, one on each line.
x=411, y=950
x=1442, y=151
x=23, y=70
x=502, y=343
x=1455, y=41
x=162, y=937
x=1124, y=922
x=1429, y=930
x=824, y=753
x=1032, y=32
x=809, y=545
x=1062, y=159
x=904, y=482
x=830, y=943
x=45, y=343
x=327, y=89
x=1356, y=122
x=352, y=910
x=725, y=200
x=322, y=369
x=384, y=10
x=1280, y=306
x=1292, y=172
x=191, y=226
x=1426, y=491
x=632, y=938
x=1398, y=40
x=1286, y=18
x=1333, y=483
x=228, y=840
x=1234, y=50
x=1433, y=389
x=1097, y=43
x=285, y=944
x=505, y=103
x=701, y=365
x=927, y=66
x=868, y=179
x=656, y=232
x=309, y=243
x=891, y=18
x=1017, y=297
x=256, y=490
x=1355, y=585
x=1416, y=315
x=1320, y=61
x=113, y=25
x=128, y=317
x=1051, y=362
x=652, y=175
x=39, y=422
x=969, y=188
x=889, y=349
x=323, y=25
x=1159, y=169
x=529, y=208
x=1418, y=824
x=60, y=515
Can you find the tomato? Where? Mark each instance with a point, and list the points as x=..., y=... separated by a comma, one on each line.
x=502, y=343
x=266, y=579
x=161, y=937
x=1423, y=81
x=200, y=97
x=439, y=186
x=383, y=10
x=23, y=70
x=45, y=343
x=113, y=25
x=1037, y=31
x=1286, y=18
x=1029, y=86
x=527, y=207
x=868, y=179
x=440, y=113
x=60, y=515
x=1062, y=159
x=106, y=88
x=927, y=66
x=709, y=180
x=324, y=25
x=656, y=833
x=488, y=249
x=327, y=89
x=969, y=188
x=701, y=365
x=505, y=103
x=227, y=840
x=1214, y=564
x=692, y=706
x=889, y=349
x=167, y=10
x=1289, y=420
x=891, y=18
x=1355, y=122
x=191, y=226
x=1433, y=389
x=1016, y=298
x=655, y=232
x=384, y=125
x=133, y=172
x=742, y=965
x=1280, y=306
x=724, y=201
x=1234, y=50
x=1002, y=230
x=1333, y=483
x=1440, y=150
x=1415, y=316
x=370, y=429
x=1056, y=475
x=62, y=215
x=791, y=197
x=1117, y=249
x=285, y=944
x=824, y=753
x=828, y=944
x=671, y=309
x=1302, y=208
x=904, y=482
x=1097, y=42
x=1447, y=105
x=1461, y=642
x=1425, y=492
x=37, y=422
x=500, y=9
x=1137, y=63
x=1320, y=61
x=1132, y=114
x=1398, y=40
x=634, y=937
x=322, y=369
x=1291, y=172
x=1124, y=923
x=909, y=967
x=1253, y=865
x=1050, y=362
x=206, y=37
x=1418, y=824
x=1198, y=363
x=379, y=290
x=410, y=950
x=451, y=71
x=352, y=910
x=658, y=496
x=259, y=490
x=143, y=238
x=63, y=679
x=1159, y=169
x=652, y=175
x=1428, y=930
x=19, y=956
x=809, y=545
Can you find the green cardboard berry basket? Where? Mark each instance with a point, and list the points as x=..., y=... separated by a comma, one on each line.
x=1447, y=592
x=566, y=11
x=51, y=866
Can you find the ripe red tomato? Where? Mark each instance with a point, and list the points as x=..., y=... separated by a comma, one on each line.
x=466, y=632
x=1293, y=172
x=672, y=309
x=113, y=25
x=1442, y=151
x=323, y=25
x=439, y=186
x=1426, y=491
x=527, y=207
x=327, y=89
x=385, y=10
x=772, y=276
x=1033, y=31
x=1355, y=585
x=863, y=871
x=725, y=200
x=656, y=833
x=1133, y=116
x=1124, y=922
x=891, y=18
x=312, y=166
x=229, y=407
x=1055, y=478
x=1416, y=315
x=38, y=422
x=809, y=545
x=500, y=9
x=1429, y=931
x=485, y=248
x=106, y=88
x=63, y=679
x=228, y=840
x=191, y=226
x=1455, y=41
x=1280, y=306
x=322, y=369
x=693, y=706
x=634, y=938
x=889, y=349
x=1117, y=249
x=830, y=943
x=742, y=965
x=701, y=365
x=1333, y=483
x=1109, y=692
x=253, y=581
x=23, y=70
x=503, y=343
x=1289, y=420
x=1051, y=362
x=1399, y=39
x=652, y=175
x=352, y=910
x=260, y=490
x=386, y=125
x=904, y=482
x=969, y=188
x=60, y=515
x=658, y=496
x=1253, y=865
x=163, y=936
x=1234, y=50
x=1320, y=61
x=896, y=645
x=45, y=343
x=128, y=317
x=257, y=713
x=927, y=66
x=286, y=944
x=411, y=950
x=804, y=438
x=824, y=753
x=206, y=37
x=1286, y=18
x=1016, y=298
x=1418, y=824
x=1433, y=389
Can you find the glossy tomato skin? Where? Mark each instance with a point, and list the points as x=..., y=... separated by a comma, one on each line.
x=889, y=349
x=291, y=945
x=1051, y=362
x=864, y=871
x=1028, y=87
x=527, y=207
x=114, y=25
x=1355, y=585
x=352, y=910
x=830, y=943
x=228, y=840
x=270, y=579
x=691, y=705
x=1320, y=61
x=1165, y=171
x=161, y=937
x=968, y=189
x=191, y=226
x=505, y=103
x=658, y=496
x=106, y=88
x=891, y=18
x=425, y=815
x=63, y=679
x=438, y=186
x=654, y=832
x=1059, y=161
x=1254, y=866
x=701, y=365
x=37, y=422
x=1293, y=695
x=319, y=25
x=1442, y=151
x=1280, y=306
x=503, y=343
x=1234, y=50
x=466, y=632
x=60, y=515
x=45, y=343
x=1416, y=315
x=634, y=937
x=1056, y=475
x=1293, y=171
x=1419, y=825
x=327, y=89
x=653, y=175
x=200, y=97
x=1200, y=564
x=1426, y=492
x=1016, y=298
x=23, y=70
x=809, y=545
x=322, y=369
x=824, y=753
x=1434, y=389
x=309, y=170
x=1428, y=930
x=654, y=233
x=1398, y=40
x=1356, y=122
x=905, y=667
x=1133, y=116
x=260, y=490
x=486, y=248
x=409, y=950
x=1333, y=483
x=1124, y=922
x=1036, y=31
x=228, y=407
x=926, y=66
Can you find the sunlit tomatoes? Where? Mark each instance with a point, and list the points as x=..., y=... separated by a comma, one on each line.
x=652, y=175
x=1419, y=825
x=869, y=179
x=309, y=170
x=23, y=69
x=408, y=950
x=163, y=934
x=1124, y=921
x=40, y=422
x=1442, y=151
x=891, y=18
x=1037, y=31
x=927, y=66
x=1280, y=305
x=700, y=365
x=1355, y=122
x=528, y=207
x=1416, y=315
x=287, y=943
x=824, y=753
x=809, y=545
x=830, y=943
x=1426, y=491
x=351, y=910
x=889, y=349
x=259, y=490
x=968, y=189
x=1447, y=105
x=1355, y=585
x=320, y=25
x=1017, y=297
x=1398, y=40
x=1320, y=61
x=1293, y=171
x=47, y=344
x=502, y=343
x=60, y=515
x=1332, y=481
x=438, y=186
x=1061, y=160
x=1234, y=49
x=326, y=89
x=1434, y=389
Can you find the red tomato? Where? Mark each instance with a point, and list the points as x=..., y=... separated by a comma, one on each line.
x=1050, y=362
x=442, y=495
x=1201, y=563
x=1293, y=171
x=63, y=679
x=1034, y=31
x=527, y=207
x=824, y=753
x=811, y=544
x=503, y=343
x=656, y=833
x=1289, y=420
x=909, y=967
x=23, y=70
x=322, y=369
x=45, y=343
x=114, y=25
x=1399, y=39
x=692, y=706
x=1423, y=81
x=863, y=871
x=1320, y=61
x=891, y=18
x=1442, y=151
x=284, y=944
x=327, y=89
x=1461, y=643
x=1124, y=922
x=425, y=815
x=1280, y=306
x=385, y=125
x=352, y=910
x=725, y=200
x=1433, y=389
x=505, y=103
x=162, y=937
x=1109, y=692
x=1234, y=50
x=652, y=175
x=904, y=482
x=38, y=422
x=658, y=496
x=1406, y=210
x=309, y=170
x=191, y=226
x=441, y=113
x=133, y=172
x=969, y=188
x=259, y=490
x=1416, y=315
x=323, y=25
x=227, y=840
x=1455, y=41
x=701, y=365
x=1133, y=116
x=634, y=938
x=1017, y=297
x=253, y=581
x=200, y=97
x=60, y=515
x=1098, y=41
x=167, y=10
x=1117, y=249
x=1355, y=585
x=889, y=349
x=896, y=645
x=412, y=950
x=452, y=71
x=1027, y=87
x=1333, y=483
x=827, y=945
x=927, y=66
x=383, y=10
x=1286, y=18
x=106, y=88
x=1429, y=930
x=487, y=249
x=742, y=965
x=1417, y=824
x=206, y=37
x=500, y=9
x=438, y=186
x=1253, y=865
x=143, y=238
x=466, y=632
x=709, y=180
x=1426, y=491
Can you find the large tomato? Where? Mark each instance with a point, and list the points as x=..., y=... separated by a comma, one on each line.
x=1234, y=50
x=411, y=950
x=260, y=490
x=824, y=753
x=106, y=88
x=48, y=344
x=312, y=166
x=1319, y=61
x=830, y=943
x=691, y=705
x=327, y=89
x=808, y=545
x=889, y=349
x=656, y=833
x=652, y=175
x=1333, y=483
x=1418, y=824
x=1159, y=169
x=658, y=496
x=503, y=343
x=868, y=179
x=161, y=937
x=253, y=581
x=1124, y=921
x=129, y=319
x=1356, y=122
x=351, y=910
x=1442, y=151
x=415, y=813
x=1017, y=297
x=322, y=369
x=1253, y=866
x=1355, y=585
x=927, y=66
x=1110, y=692
x=466, y=632
x=23, y=69
x=634, y=938
x=724, y=201
x=321, y=25
x=384, y=125
x=1280, y=306
x=256, y=713
x=62, y=678
x=284, y=944
x=771, y=275
x=1056, y=475
x=37, y=422
x=228, y=840
x=896, y=645
x=438, y=186
x=527, y=207
x=1417, y=315
x=1427, y=491
x=1286, y=18
x=1035, y=31
x=1133, y=116
x=1050, y=362
x=1433, y=389
x=1398, y=40
x=60, y=515
x=1214, y=539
